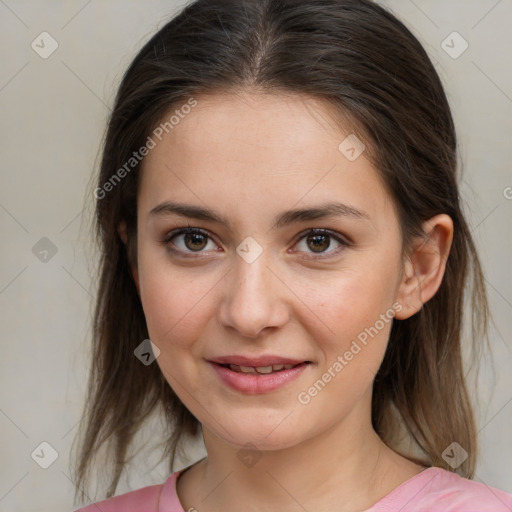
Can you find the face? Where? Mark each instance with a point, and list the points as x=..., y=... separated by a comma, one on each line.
x=264, y=275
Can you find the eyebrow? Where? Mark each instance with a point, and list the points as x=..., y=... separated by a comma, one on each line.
x=282, y=219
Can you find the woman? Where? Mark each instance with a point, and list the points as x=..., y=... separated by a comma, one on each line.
x=279, y=214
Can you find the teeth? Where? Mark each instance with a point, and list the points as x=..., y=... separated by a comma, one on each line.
x=260, y=369
x=264, y=369
x=246, y=369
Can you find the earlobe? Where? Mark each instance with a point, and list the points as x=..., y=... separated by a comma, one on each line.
x=409, y=293
x=425, y=266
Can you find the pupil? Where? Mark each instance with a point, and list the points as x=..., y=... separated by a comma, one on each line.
x=318, y=243
x=193, y=239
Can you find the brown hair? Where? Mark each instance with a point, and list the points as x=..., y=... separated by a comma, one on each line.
x=370, y=69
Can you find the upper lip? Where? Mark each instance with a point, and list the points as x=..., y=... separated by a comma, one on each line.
x=269, y=360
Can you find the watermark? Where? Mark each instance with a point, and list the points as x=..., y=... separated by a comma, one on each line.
x=454, y=455
x=137, y=156
x=351, y=147
x=249, y=249
x=44, y=455
x=44, y=250
x=44, y=45
x=147, y=352
x=249, y=455
x=454, y=45
x=304, y=397
x=507, y=192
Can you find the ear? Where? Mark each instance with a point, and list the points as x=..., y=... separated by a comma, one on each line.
x=124, y=237
x=424, y=267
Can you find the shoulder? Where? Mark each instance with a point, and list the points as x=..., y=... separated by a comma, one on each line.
x=439, y=490
x=153, y=498
x=459, y=493
x=146, y=498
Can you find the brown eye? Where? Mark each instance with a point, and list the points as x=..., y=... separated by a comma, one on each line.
x=195, y=241
x=188, y=240
x=315, y=243
x=318, y=243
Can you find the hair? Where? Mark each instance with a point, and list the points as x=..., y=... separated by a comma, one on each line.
x=368, y=68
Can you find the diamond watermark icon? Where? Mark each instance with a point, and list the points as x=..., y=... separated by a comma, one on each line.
x=44, y=45
x=249, y=455
x=44, y=250
x=454, y=45
x=44, y=455
x=454, y=455
x=147, y=352
x=249, y=250
x=351, y=147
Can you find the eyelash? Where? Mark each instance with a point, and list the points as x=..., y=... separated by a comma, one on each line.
x=315, y=231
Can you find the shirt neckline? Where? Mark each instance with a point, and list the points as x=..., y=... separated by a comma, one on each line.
x=169, y=499
x=406, y=491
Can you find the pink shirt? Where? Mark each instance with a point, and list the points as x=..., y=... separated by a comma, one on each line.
x=432, y=490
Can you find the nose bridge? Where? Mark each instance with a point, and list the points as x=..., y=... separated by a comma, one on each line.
x=251, y=302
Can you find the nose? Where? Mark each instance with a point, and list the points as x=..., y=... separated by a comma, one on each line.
x=254, y=298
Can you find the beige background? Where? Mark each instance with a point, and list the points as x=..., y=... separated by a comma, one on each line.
x=53, y=116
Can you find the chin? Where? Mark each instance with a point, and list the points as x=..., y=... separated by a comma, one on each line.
x=261, y=432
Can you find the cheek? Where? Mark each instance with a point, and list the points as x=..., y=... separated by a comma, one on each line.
x=348, y=304
x=177, y=309
x=357, y=304
x=358, y=307
x=176, y=302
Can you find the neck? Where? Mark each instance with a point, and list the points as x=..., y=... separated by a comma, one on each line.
x=347, y=467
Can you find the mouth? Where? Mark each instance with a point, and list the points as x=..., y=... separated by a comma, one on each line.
x=261, y=370
x=263, y=375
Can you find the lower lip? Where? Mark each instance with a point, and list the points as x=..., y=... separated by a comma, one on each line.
x=254, y=384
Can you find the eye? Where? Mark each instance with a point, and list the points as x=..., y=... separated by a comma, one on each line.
x=317, y=241
x=314, y=241
x=188, y=240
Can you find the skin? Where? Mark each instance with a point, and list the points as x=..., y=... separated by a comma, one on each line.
x=250, y=157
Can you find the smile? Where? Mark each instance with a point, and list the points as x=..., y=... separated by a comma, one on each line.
x=260, y=369
x=254, y=380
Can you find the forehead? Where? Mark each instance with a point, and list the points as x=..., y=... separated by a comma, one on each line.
x=258, y=150
x=233, y=125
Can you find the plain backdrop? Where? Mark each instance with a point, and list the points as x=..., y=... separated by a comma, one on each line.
x=54, y=112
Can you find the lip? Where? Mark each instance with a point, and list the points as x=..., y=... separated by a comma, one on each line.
x=255, y=384
x=267, y=360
